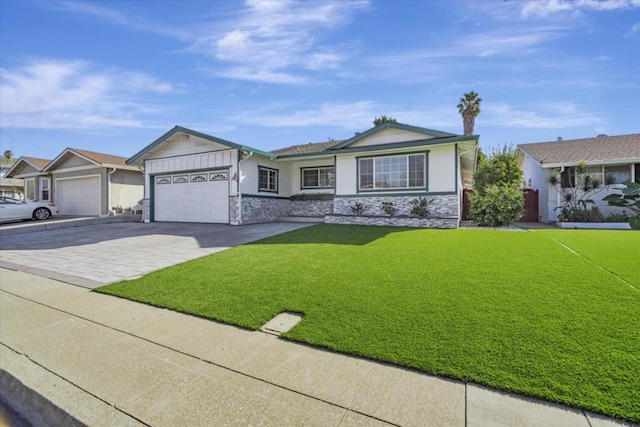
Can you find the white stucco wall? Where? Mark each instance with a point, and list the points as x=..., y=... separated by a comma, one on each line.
x=536, y=178
x=441, y=168
x=295, y=168
x=441, y=171
x=249, y=176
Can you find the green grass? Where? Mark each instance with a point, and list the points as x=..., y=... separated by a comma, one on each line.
x=512, y=310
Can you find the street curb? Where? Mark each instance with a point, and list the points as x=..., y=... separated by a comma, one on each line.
x=33, y=407
x=32, y=227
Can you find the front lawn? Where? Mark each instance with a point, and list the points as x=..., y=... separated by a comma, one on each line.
x=512, y=310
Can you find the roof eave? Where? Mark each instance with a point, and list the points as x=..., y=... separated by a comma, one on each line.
x=394, y=125
x=630, y=160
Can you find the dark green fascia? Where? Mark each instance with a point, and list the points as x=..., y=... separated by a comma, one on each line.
x=263, y=196
x=409, y=144
x=152, y=199
x=177, y=129
x=387, y=194
x=389, y=125
x=456, y=169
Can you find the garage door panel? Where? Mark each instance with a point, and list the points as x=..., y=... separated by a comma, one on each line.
x=192, y=201
x=78, y=196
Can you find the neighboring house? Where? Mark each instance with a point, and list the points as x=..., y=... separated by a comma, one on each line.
x=36, y=183
x=11, y=187
x=80, y=182
x=194, y=177
x=617, y=156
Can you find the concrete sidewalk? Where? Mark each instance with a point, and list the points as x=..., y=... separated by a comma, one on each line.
x=107, y=361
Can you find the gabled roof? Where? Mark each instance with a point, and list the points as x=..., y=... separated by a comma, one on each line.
x=599, y=149
x=35, y=162
x=312, y=147
x=98, y=159
x=393, y=125
x=179, y=129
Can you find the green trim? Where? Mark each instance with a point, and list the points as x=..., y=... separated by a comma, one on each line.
x=277, y=171
x=390, y=125
x=456, y=169
x=409, y=144
x=264, y=196
x=375, y=190
x=325, y=153
x=381, y=193
x=152, y=198
x=210, y=138
x=192, y=170
x=302, y=169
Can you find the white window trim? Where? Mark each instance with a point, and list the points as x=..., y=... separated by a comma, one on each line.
x=26, y=188
x=275, y=180
x=42, y=181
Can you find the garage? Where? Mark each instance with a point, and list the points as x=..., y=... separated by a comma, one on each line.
x=192, y=197
x=78, y=196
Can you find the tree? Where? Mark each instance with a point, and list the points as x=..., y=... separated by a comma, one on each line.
x=497, y=198
x=382, y=119
x=499, y=167
x=469, y=108
x=8, y=154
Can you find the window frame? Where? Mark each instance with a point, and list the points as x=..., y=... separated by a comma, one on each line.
x=30, y=183
x=275, y=180
x=316, y=168
x=425, y=170
x=629, y=171
x=42, y=189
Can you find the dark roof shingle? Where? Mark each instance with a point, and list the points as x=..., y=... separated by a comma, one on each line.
x=312, y=147
x=602, y=148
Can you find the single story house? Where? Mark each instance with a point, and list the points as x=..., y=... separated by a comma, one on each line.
x=616, y=156
x=37, y=185
x=81, y=182
x=193, y=177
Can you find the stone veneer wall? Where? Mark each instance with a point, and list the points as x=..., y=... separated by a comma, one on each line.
x=146, y=210
x=394, y=221
x=439, y=206
x=233, y=210
x=310, y=207
x=263, y=209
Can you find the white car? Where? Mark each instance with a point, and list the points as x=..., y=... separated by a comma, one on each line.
x=14, y=210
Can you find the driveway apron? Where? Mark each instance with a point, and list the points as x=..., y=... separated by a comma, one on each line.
x=92, y=256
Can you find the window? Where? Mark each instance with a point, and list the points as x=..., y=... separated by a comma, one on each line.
x=392, y=172
x=619, y=174
x=30, y=189
x=321, y=177
x=44, y=189
x=637, y=172
x=268, y=179
x=568, y=176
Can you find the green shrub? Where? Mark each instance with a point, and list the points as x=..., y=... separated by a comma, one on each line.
x=580, y=214
x=617, y=217
x=420, y=206
x=497, y=205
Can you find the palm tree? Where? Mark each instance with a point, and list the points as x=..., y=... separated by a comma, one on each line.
x=469, y=107
x=8, y=154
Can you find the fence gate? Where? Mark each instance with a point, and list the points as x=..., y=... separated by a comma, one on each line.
x=530, y=206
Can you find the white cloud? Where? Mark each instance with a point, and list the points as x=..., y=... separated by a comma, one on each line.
x=634, y=29
x=544, y=8
x=352, y=116
x=71, y=94
x=276, y=38
x=551, y=115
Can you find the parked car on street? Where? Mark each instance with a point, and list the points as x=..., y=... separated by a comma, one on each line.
x=14, y=210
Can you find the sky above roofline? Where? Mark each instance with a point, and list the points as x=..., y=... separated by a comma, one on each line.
x=113, y=76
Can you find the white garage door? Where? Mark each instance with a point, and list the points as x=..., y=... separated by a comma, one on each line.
x=195, y=197
x=78, y=196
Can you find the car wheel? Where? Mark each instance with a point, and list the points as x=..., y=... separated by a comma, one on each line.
x=41, y=213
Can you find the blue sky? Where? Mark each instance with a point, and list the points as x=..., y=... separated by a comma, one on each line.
x=114, y=76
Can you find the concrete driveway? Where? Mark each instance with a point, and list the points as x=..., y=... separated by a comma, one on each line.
x=92, y=256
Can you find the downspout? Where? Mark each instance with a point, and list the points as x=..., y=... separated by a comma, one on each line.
x=109, y=187
x=239, y=176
